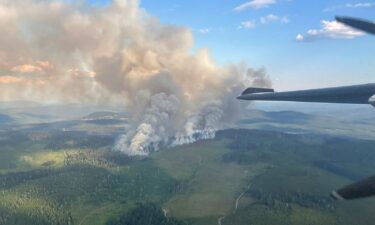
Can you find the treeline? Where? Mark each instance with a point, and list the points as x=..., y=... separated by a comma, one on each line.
x=145, y=214
x=119, y=158
x=12, y=179
x=88, y=158
x=78, y=140
x=244, y=158
x=284, y=200
x=17, y=211
x=251, y=140
x=334, y=167
x=241, y=139
x=13, y=138
x=253, y=135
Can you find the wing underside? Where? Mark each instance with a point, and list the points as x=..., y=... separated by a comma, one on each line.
x=360, y=24
x=358, y=94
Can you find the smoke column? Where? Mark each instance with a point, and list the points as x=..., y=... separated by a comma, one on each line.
x=64, y=51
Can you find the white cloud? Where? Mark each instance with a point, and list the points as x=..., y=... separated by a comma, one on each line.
x=351, y=5
x=249, y=24
x=330, y=30
x=255, y=4
x=360, y=5
x=300, y=37
x=271, y=18
x=208, y=30
x=205, y=30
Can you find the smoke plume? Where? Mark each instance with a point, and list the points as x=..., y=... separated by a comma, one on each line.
x=69, y=51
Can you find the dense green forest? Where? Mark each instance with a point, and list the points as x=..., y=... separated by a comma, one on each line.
x=145, y=214
x=240, y=177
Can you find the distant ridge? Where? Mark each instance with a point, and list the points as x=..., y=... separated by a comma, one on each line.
x=5, y=119
x=104, y=115
x=18, y=104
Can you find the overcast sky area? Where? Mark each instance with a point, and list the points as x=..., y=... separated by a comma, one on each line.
x=297, y=41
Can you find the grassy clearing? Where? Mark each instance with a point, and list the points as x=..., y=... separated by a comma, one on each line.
x=300, y=179
x=263, y=215
x=90, y=214
x=45, y=158
x=210, y=185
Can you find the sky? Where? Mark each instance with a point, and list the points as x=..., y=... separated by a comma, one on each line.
x=263, y=33
x=49, y=46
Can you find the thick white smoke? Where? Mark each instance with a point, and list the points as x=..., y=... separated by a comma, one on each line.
x=76, y=52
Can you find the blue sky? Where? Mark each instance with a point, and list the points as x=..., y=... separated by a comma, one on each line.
x=262, y=33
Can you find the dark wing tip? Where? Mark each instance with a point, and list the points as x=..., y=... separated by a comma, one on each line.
x=336, y=196
x=253, y=90
x=339, y=18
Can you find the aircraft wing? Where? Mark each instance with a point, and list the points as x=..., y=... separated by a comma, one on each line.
x=356, y=94
x=360, y=24
x=360, y=189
